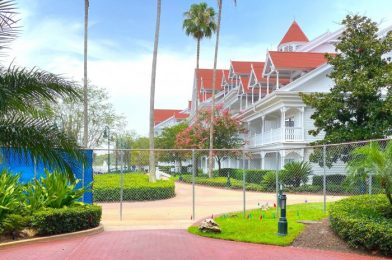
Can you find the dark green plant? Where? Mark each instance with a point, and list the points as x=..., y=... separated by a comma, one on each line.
x=294, y=173
x=373, y=160
x=68, y=219
x=12, y=224
x=269, y=181
x=11, y=194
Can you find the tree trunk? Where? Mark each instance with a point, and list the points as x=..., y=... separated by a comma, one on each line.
x=85, y=101
x=152, y=94
x=195, y=97
x=219, y=166
x=210, y=167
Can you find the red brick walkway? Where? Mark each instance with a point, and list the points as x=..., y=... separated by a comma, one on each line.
x=161, y=244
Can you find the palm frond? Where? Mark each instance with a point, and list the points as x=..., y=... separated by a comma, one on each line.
x=38, y=138
x=8, y=29
x=22, y=89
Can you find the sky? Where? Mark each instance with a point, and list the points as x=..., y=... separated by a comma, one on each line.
x=121, y=35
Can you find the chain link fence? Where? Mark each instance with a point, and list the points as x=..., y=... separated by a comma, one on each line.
x=241, y=179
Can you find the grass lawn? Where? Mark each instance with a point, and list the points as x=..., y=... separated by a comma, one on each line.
x=251, y=229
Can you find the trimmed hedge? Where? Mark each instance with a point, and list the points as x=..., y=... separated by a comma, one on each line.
x=251, y=176
x=336, y=179
x=65, y=220
x=364, y=221
x=136, y=187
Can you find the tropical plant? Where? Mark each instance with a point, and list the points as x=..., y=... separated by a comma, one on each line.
x=24, y=94
x=294, y=173
x=211, y=147
x=372, y=160
x=200, y=23
x=54, y=190
x=10, y=194
x=152, y=95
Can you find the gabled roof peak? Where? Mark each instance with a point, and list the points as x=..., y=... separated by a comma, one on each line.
x=294, y=34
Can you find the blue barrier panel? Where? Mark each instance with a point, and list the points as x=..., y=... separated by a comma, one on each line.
x=31, y=169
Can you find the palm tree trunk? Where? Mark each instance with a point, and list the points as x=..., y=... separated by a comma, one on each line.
x=152, y=94
x=195, y=87
x=211, y=158
x=85, y=101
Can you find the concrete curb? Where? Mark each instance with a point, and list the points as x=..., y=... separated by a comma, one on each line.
x=82, y=233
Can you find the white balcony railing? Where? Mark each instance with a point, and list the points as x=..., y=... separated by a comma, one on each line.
x=275, y=135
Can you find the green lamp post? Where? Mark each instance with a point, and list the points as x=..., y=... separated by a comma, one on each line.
x=282, y=224
x=106, y=134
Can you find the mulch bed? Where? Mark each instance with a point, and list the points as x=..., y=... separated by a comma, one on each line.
x=321, y=236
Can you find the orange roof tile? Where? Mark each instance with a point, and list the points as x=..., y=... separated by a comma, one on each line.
x=294, y=34
x=245, y=67
x=161, y=115
x=297, y=60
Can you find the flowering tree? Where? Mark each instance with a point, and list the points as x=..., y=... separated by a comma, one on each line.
x=227, y=132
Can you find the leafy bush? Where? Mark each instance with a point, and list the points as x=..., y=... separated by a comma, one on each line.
x=13, y=223
x=337, y=179
x=269, y=181
x=252, y=176
x=68, y=219
x=294, y=173
x=11, y=194
x=305, y=188
x=136, y=187
x=364, y=221
x=54, y=190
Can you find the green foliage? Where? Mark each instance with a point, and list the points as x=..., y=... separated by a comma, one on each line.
x=295, y=173
x=251, y=176
x=355, y=109
x=67, y=219
x=236, y=227
x=373, y=160
x=364, y=221
x=11, y=196
x=13, y=223
x=269, y=181
x=222, y=182
x=136, y=187
x=199, y=21
x=337, y=179
x=52, y=191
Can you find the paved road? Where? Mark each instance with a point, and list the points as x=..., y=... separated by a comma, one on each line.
x=176, y=213
x=161, y=244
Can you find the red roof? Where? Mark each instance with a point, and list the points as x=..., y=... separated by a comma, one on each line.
x=161, y=115
x=181, y=115
x=244, y=67
x=205, y=78
x=245, y=82
x=294, y=34
x=297, y=60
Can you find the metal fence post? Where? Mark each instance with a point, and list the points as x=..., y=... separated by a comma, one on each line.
x=244, y=181
x=370, y=183
x=277, y=183
x=325, y=177
x=121, y=184
x=193, y=182
x=35, y=167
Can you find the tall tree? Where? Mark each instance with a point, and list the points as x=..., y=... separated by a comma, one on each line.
x=211, y=164
x=24, y=125
x=152, y=94
x=200, y=23
x=359, y=106
x=85, y=82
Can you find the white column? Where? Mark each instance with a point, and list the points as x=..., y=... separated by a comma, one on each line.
x=253, y=95
x=303, y=123
x=246, y=100
x=283, y=125
x=262, y=155
x=282, y=158
x=268, y=77
x=277, y=79
x=262, y=128
x=259, y=91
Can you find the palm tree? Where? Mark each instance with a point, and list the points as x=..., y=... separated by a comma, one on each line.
x=200, y=23
x=24, y=123
x=371, y=160
x=210, y=156
x=85, y=101
x=152, y=94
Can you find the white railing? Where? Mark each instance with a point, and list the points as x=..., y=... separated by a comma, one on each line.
x=294, y=134
x=275, y=136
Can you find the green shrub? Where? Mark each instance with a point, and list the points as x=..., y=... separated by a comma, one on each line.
x=304, y=188
x=252, y=176
x=136, y=187
x=65, y=220
x=269, y=181
x=364, y=221
x=294, y=173
x=54, y=190
x=337, y=179
x=11, y=194
x=13, y=223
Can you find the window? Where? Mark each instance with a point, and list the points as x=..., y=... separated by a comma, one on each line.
x=289, y=122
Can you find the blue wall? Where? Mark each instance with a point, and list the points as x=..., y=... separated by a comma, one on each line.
x=25, y=166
